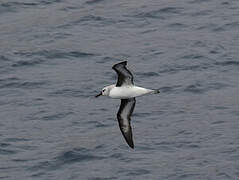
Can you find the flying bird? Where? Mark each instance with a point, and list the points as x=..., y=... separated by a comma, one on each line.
x=125, y=90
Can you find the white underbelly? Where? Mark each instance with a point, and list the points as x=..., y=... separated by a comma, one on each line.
x=126, y=92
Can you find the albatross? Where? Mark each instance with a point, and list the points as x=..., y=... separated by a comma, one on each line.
x=125, y=90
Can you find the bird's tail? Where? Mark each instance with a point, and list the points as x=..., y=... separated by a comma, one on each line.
x=156, y=91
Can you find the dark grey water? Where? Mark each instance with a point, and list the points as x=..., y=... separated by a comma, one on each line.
x=56, y=54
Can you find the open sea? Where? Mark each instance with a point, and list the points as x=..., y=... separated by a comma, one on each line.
x=55, y=55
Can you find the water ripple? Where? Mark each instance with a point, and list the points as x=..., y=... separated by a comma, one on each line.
x=200, y=87
x=227, y=63
x=103, y=178
x=4, y=58
x=56, y=54
x=68, y=93
x=57, y=116
x=90, y=2
x=138, y=172
x=146, y=74
x=6, y=83
x=66, y=158
x=170, y=89
x=27, y=63
x=15, y=6
x=162, y=13
x=7, y=151
x=178, y=68
x=177, y=26
x=78, y=155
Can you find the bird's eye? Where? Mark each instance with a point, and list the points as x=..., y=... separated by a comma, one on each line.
x=103, y=90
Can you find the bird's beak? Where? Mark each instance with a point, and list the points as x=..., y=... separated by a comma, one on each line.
x=98, y=95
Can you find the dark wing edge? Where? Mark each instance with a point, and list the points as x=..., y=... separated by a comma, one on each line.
x=124, y=75
x=123, y=116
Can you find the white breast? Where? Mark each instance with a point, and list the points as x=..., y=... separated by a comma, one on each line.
x=126, y=92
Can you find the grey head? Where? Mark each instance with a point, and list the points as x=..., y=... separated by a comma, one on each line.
x=105, y=91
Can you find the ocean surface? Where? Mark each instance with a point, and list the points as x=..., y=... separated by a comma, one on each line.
x=55, y=55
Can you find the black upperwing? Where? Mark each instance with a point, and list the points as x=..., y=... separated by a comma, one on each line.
x=125, y=77
x=123, y=116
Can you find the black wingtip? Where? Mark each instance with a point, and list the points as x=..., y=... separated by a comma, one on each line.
x=128, y=137
x=131, y=145
x=124, y=63
x=129, y=140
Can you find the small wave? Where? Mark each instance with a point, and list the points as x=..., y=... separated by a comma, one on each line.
x=147, y=74
x=13, y=82
x=176, y=69
x=57, y=116
x=198, y=43
x=96, y=20
x=201, y=88
x=46, y=2
x=108, y=59
x=138, y=172
x=67, y=93
x=15, y=6
x=103, y=178
x=55, y=54
x=227, y=63
x=149, y=31
x=23, y=85
x=187, y=145
x=120, y=157
x=69, y=8
x=193, y=56
x=160, y=13
x=141, y=114
x=59, y=54
x=169, y=89
x=171, y=10
x=195, y=88
x=90, y=2
x=4, y=58
x=16, y=139
x=189, y=176
x=202, y=13
x=97, y=124
x=177, y=26
x=9, y=79
x=220, y=107
x=18, y=4
x=90, y=20
x=218, y=122
x=78, y=155
x=37, y=174
x=7, y=151
x=27, y=63
x=66, y=158
x=198, y=1
x=7, y=7
x=4, y=144
x=227, y=26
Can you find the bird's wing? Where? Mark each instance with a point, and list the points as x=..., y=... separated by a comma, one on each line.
x=123, y=116
x=125, y=77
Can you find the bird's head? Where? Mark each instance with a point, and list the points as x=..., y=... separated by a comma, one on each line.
x=105, y=91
